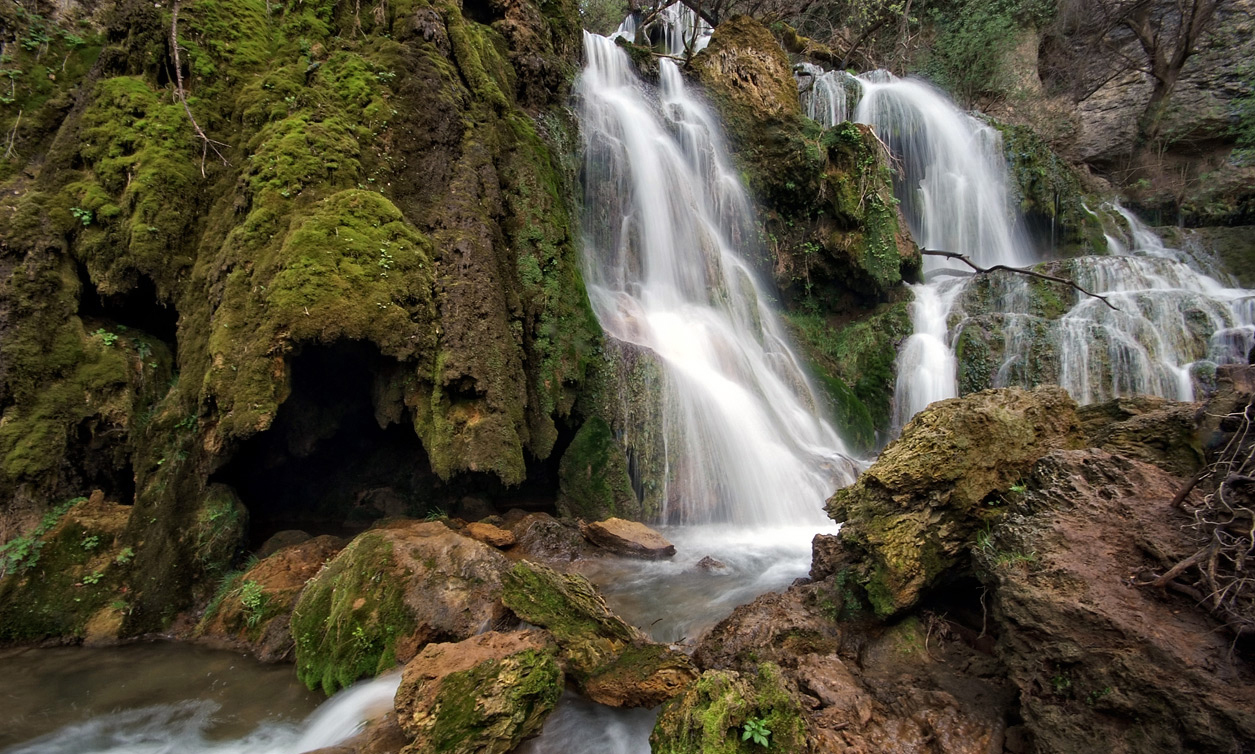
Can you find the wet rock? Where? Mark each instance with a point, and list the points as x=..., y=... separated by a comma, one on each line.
x=613, y=662
x=593, y=481
x=390, y=592
x=827, y=556
x=489, y=534
x=474, y=509
x=629, y=538
x=914, y=514
x=483, y=694
x=713, y=713
x=380, y=736
x=710, y=564
x=543, y=537
x=1103, y=664
x=253, y=610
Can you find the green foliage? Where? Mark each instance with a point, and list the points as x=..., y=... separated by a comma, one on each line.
x=1244, y=117
x=253, y=599
x=22, y=553
x=93, y=578
x=124, y=556
x=755, y=729
x=602, y=16
x=84, y=216
x=974, y=40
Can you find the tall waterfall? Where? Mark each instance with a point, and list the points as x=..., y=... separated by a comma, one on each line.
x=665, y=218
x=1172, y=321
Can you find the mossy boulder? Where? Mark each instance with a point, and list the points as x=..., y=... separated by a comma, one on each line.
x=593, y=481
x=483, y=694
x=253, y=608
x=856, y=363
x=67, y=577
x=913, y=516
x=831, y=221
x=612, y=661
x=713, y=713
x=389, y=593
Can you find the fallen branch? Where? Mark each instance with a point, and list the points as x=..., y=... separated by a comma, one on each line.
x=8, y=152
x=206, y=142
x=1019, y=270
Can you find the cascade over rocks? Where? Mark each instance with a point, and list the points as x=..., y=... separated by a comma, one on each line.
x=913, y=515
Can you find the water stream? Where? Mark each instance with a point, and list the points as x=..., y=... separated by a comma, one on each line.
x=1173, y=320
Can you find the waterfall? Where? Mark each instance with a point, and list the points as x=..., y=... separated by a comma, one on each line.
x=1173, y=321
x=666, y=224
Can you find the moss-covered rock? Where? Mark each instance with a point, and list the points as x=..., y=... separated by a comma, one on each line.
x=714, y=712
x=832, y=224
x=388, y=594
x=484, y=694
x=611, y=660
x=593, y=481
x=67, y=577
x=856, y=363
x=913, y=516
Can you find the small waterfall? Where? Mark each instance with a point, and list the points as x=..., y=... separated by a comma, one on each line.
x=665, y=216
x=1174, y=322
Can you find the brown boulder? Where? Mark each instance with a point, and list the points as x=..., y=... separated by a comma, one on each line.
x=491, y=535
x=543, y=537
x=483, y=694
x=630, y=538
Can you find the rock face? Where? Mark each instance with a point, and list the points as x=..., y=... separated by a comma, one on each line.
x=254, y=610
x=917, y=510
x=593, y=476
x=611, y=661
x=1101, y=664
x=542, y=537
x=1146, y=428
x=389, y=593
x=483, y=694
x=629, y=538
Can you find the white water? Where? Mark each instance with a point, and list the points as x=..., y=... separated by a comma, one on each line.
x=666, y=225
x=954, y=191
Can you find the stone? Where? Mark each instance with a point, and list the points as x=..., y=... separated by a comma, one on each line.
x=1149, y=429
x=914, y=513
x=1103, y=664
x=483, y=694
x=827, y=556
x=593, y=479
x=541, y=536
x=612, y=661
x=711, y=564
x=254, y=610
x=490, y=535
x=280, y=540
x=629, y=538
x=393, y=590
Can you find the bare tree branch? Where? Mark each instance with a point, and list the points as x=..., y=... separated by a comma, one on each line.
x=1018, y=270
x=206, y=142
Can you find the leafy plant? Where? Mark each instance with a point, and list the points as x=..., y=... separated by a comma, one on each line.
x=21, y=553
x=93, y=578
x=755, y=729
x=107, y=337
x=84, y=216
x=253, y=598
x=124, y=556
x=90, y=542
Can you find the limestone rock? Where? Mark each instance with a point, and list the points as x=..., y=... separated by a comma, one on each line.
x=483, y=694
x=593, y=479
x=1102, y=664
x=612, y=661
x=254, y=610
x=280, y=540
x=629, y=538
x=541, y=536
x=389, y=593
x=489, y=534
x=1149, y=429
x=712, y=713
x=915, y=512
x=711, y=564
x=744, y=62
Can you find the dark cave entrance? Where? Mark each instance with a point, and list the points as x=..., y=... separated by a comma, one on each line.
x=137, y=309
x=326, y=466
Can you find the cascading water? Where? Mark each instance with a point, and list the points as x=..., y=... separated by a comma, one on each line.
x=665, y=217
x=1174, y=322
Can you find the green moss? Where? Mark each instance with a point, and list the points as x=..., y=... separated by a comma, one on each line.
x=711, y=714
x=349, y=618
x=593, y=480
x=528, y=685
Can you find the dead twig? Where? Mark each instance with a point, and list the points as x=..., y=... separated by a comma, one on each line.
x=1018, y=270
x=206, y=142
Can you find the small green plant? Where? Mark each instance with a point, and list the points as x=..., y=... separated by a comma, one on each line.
x=253, y=598
x=90, y=542
x=1096, y=695
x=1062, y=684
x=93, y=578
x=124, y=556
x=755, y=729
x=106, y=337
x=21, y=553
x=84, y=216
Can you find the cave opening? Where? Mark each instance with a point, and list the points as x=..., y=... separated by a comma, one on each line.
x=138, y=308
x=342, y=454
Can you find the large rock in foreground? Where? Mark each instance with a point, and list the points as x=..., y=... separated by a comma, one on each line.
x=630, y=538
x=390, y=592
x=1104, y=665
x=613, y=662
x=915, y=513
x=485, y=694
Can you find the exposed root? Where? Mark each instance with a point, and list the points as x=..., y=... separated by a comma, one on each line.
x=206, y=142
